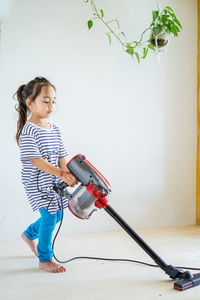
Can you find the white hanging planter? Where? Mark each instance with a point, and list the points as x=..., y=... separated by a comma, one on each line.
x=158, y=39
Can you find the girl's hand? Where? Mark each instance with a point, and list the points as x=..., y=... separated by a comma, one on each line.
x=68, y=178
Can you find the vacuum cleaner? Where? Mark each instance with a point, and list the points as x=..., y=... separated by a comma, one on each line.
x=92, y=194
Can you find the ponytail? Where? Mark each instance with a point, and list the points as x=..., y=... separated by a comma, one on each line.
x=30, y=90
x=22, y=110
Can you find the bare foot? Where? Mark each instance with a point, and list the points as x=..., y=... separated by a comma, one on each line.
x=51, y=267
x=30, y=243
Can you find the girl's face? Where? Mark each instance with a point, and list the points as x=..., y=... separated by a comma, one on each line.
x=44, y=104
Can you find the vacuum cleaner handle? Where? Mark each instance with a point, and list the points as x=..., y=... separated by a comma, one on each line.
x=61, y=188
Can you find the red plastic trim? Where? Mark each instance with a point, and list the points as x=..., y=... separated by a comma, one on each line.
x=94, y=192
x=101, y=203
x=98, y=173
x=184, y=288
x=73, y=158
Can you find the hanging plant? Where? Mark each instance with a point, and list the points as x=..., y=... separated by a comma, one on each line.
x=163, y=24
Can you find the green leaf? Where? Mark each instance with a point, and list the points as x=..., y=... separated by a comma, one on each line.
x=151, y=47
x=157, y=29
x=86, y=1
x=145, y=51
x=109, y=37
x=90, y=24
x=169, y=8
x=173, y=17
x=121, y=33
x=177, y=22
x=130, y=50
x=155, y=14
x=164, y=18
x=102, y=13
x=174, y=30
x=177, y=29
x=137, y=56
x=168, y=28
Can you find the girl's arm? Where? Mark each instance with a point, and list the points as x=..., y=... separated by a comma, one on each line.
x=62, y=172
x=62, y=163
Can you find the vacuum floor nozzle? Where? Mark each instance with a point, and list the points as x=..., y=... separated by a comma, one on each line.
x=184, y=284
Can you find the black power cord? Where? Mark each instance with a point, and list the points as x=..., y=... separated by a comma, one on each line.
x=104, y=258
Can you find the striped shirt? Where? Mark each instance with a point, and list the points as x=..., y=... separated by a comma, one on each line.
x=38, y=142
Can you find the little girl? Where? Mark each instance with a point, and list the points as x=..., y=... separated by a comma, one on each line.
x=43, y=157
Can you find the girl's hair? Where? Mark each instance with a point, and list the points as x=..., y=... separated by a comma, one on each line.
x=30, y=90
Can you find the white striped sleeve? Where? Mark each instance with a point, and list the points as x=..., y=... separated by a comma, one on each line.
x=62, y=149
x=28, y=147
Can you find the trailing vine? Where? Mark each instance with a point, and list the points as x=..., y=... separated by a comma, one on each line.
x=163, y=22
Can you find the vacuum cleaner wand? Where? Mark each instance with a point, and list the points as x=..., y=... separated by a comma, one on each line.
x=182, y=279
x=93, y=193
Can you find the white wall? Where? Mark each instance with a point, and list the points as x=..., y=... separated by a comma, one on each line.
x=135, y=123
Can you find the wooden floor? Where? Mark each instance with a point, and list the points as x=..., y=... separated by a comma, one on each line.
x=91, y=280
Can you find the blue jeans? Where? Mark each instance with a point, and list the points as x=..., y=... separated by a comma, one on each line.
x=42, y=230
